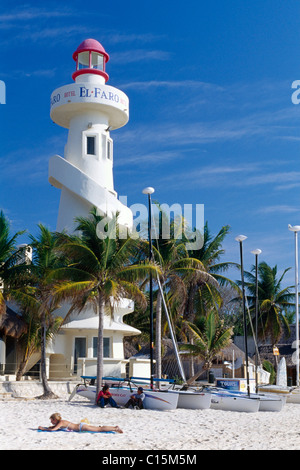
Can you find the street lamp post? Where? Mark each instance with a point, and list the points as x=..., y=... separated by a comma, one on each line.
x=256, y=253
x=240, y=239
x=150, y=191
x=296, y=229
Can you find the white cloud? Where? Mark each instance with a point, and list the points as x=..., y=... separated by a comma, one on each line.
x=152, y=84
x=279, y=208
x=120, y=38
x=27, y=14
x=140, y=55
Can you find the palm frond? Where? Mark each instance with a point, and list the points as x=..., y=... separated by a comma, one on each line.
x=68, y=290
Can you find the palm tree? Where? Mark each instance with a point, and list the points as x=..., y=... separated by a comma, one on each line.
x=209, y=341
x=36, y=295
x=273, y=300
x=10, y=255
x=101, y=271
x=30, y=341
x=176, y=267
x=204, y=291
x=208, y=288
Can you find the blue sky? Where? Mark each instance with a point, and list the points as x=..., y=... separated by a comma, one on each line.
x=211, y=116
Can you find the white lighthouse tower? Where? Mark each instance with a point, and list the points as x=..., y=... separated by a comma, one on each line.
x=90, y=109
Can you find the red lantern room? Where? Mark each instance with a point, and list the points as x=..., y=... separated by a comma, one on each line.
x=90, y=58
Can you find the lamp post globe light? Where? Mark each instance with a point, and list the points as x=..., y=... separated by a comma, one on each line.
x=296, y=229
x=240, y=238
x=149, y=190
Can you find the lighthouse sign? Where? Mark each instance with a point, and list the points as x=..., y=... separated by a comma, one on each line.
x=105, y=94
x=93, y=96
x=101, y=92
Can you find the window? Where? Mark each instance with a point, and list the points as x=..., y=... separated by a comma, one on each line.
x=106, y=346
x=83, y=60
x=90, y=145
x=109, y=149
x=97, y=61
x=89, y=59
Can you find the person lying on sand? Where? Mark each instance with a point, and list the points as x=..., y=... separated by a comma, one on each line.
x=59, y=423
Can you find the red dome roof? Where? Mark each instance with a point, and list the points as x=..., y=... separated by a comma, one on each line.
x=91, y=45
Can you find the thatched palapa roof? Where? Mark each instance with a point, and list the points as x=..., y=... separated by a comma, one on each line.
x=12, y=324
x=226, y=353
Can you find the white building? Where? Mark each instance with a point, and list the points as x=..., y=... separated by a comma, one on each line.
x=89, y=109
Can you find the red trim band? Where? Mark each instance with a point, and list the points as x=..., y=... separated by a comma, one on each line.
x=92, y=71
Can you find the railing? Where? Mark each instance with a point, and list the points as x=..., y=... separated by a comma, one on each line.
x=60, y=369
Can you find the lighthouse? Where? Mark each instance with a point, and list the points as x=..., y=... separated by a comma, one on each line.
x=90, y=109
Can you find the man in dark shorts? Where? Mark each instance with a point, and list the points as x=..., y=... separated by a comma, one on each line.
x=136, y=400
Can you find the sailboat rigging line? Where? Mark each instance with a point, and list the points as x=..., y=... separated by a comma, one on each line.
x=175, y=345
x=171, y=331
x=252, y=329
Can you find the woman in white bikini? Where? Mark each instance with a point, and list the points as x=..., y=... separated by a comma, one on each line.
x=59, y=423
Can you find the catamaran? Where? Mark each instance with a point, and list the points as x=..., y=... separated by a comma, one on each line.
x=291, y=394
x=155, y=399
x=222, y=400
x=122, y=389
x=236, y=386
x=229, y=399
x=192, y=399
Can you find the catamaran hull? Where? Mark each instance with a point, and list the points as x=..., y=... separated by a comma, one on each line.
x=232, y=403
x=280, y=392
x=277, y=390
x=154, y=400
x=271, y=404
x=294, y=396
x=192, y=400
x=266, y=402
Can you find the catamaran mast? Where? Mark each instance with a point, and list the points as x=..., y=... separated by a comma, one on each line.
x=240, y=239
x=256, y=253
x=150, y=191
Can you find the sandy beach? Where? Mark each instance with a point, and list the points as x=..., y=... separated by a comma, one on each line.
x=146, y=429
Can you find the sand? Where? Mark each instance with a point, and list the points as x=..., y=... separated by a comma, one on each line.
x=146, y=429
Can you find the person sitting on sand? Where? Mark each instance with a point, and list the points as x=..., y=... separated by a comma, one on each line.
x=136, y=400
x=105, y=397
x=59, y=423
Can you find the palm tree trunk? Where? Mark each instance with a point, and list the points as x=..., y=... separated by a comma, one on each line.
x=158, y=335
x=192, y=362
x=47, y=391
x=100, y=346
x=21, y=370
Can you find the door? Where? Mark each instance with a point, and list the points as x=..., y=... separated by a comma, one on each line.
x=79, y=351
